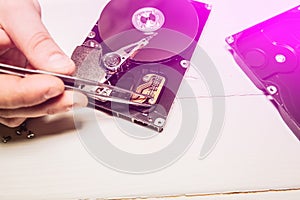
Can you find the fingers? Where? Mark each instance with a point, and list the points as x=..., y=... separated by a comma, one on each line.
x=27, y=32
x=19, y=92
x=23, y=35
x=5, y=41
x=67, y=101
x=34, y=96
x=12, y=122
x=13, y=56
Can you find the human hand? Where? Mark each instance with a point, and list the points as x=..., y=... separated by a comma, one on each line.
x=24, y=41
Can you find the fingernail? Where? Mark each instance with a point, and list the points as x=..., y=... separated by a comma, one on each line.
x=52, y=92
x=60, y=61
x=79, y=100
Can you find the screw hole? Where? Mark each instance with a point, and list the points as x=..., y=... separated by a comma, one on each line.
x=280, y=58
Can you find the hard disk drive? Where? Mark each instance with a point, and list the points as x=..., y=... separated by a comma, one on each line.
x=269, y=54
x=144, y=47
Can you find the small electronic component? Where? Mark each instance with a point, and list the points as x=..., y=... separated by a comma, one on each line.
x=19, y=132
x=152, y=85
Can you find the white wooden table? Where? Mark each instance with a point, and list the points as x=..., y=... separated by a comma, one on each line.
x=256, y=156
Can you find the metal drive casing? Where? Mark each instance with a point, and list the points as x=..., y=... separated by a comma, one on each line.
x=156, y=69
x=269, y=54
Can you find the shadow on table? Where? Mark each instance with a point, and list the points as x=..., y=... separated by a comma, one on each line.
x=38, y=128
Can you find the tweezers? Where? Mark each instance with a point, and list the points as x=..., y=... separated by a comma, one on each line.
x=71, y=82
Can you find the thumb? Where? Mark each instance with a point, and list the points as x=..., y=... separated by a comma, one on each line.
x=28, y=33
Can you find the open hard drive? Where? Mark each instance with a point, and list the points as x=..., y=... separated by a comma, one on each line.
x=269, y=54
x=142, y=46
